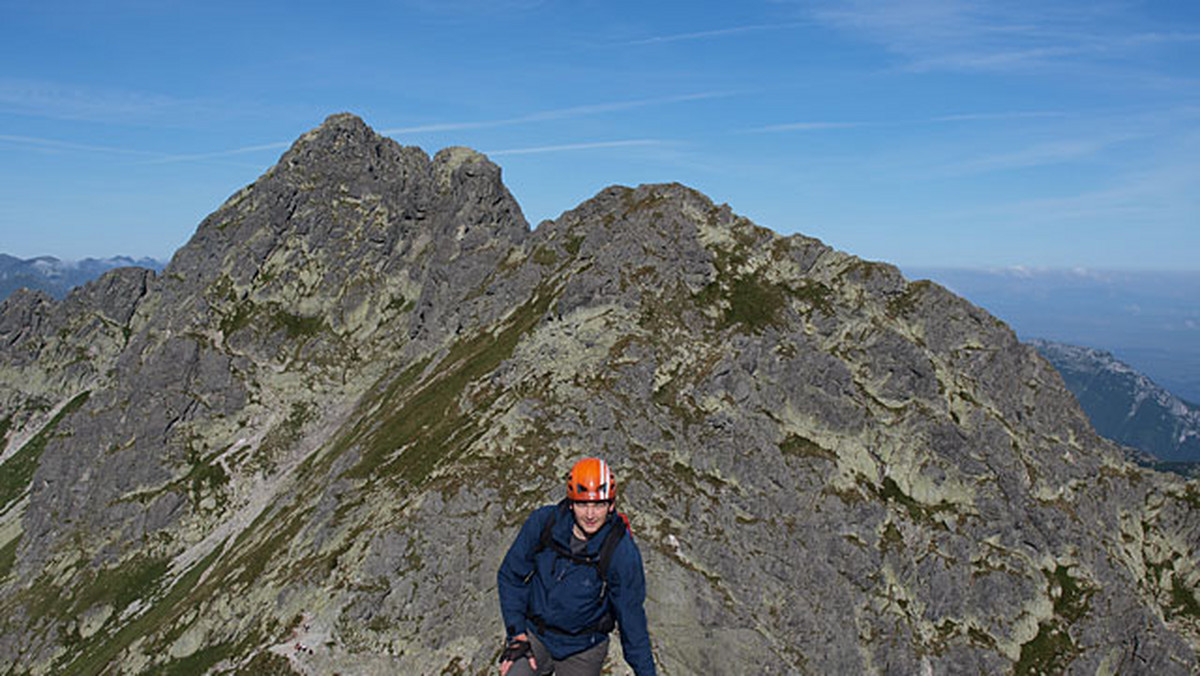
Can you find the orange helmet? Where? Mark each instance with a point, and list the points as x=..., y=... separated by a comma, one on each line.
x=591, y=480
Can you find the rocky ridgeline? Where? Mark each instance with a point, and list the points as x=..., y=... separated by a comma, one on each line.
x=1126, y=406
x=57, y=277
x=305, y=446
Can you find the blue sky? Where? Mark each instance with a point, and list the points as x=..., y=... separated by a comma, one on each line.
x=949, y=133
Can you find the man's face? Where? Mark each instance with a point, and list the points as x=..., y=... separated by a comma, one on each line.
x=590, y=516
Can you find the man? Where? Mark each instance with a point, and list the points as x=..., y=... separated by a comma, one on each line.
x=571, y=574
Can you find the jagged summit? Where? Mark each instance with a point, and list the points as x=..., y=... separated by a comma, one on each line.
x=305, y=446
x=344, y=193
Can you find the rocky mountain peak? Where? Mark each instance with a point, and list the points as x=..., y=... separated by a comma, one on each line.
x=306, y=445
x=344, y=193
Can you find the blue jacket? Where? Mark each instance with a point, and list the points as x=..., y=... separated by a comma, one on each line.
x=567, y=595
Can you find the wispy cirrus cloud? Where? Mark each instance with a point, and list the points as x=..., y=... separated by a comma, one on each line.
x=715, y=33
x=807, y=126
x=76, y=102
x=816, y=126
x=152, y=157
x=570, y=147
x=1036, y=155
x=1147, y=195
x=472, y=8
x=982, y=35
x=219, y=154
x=138, y=156
x=1003, y=115
x=54, y=145
x=556, y=114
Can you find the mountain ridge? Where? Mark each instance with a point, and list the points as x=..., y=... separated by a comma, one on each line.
x=1149, y=319
x=1125, y=405
x=57, y=277
x=319, y=427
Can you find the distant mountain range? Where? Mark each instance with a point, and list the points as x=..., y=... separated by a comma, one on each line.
x=57, y=277
x=1149, y=320
x=1126, y=406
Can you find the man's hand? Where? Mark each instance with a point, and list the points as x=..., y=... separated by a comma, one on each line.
x=519, y=649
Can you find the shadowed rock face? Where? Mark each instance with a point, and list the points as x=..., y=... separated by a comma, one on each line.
x=307, y=444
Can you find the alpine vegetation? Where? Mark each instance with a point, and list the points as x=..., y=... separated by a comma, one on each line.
x=306, y=445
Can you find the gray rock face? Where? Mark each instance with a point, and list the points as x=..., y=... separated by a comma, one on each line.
x=324, y=421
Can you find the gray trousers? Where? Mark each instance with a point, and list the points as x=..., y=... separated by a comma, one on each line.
x=586, y=663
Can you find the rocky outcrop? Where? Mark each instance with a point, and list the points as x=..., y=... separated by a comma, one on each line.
x=329, y=414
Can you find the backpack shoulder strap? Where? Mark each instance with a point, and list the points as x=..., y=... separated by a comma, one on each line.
x=609, y=546
x=547, y=539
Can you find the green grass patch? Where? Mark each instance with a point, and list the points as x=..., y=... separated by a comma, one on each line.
x=917, y=511
x=242, y=315
x=17, y=472
x=906, y=303
x=891, y=538
x=574, y=244
x=802, y=447
x=1183, y=601
x=121, y=585
x=816, y=294
x=1191, y=495
x=754, y=304
x=1050, y=652
x=204, y=477
x=385, y=396
x=8, y=557
x=1072, y=601
x=891, y=491
x=296, y=326
x=427, y=426
x=1053, y=650
x=400, y=305
x=198, y=662
x=99, y=650
x=254, y=559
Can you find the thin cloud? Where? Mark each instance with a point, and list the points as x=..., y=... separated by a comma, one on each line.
x=1043, y=154
x=715, y=33
x=71, y=102
x=1013, y=115
x=990, y=36
x=472, y=8
x=1161, y=194
x=220, y=153
x=147, y=156
x=806, y=126
x=962, y=117
x=56, y=145
x=555, y=114
x=571, y=147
